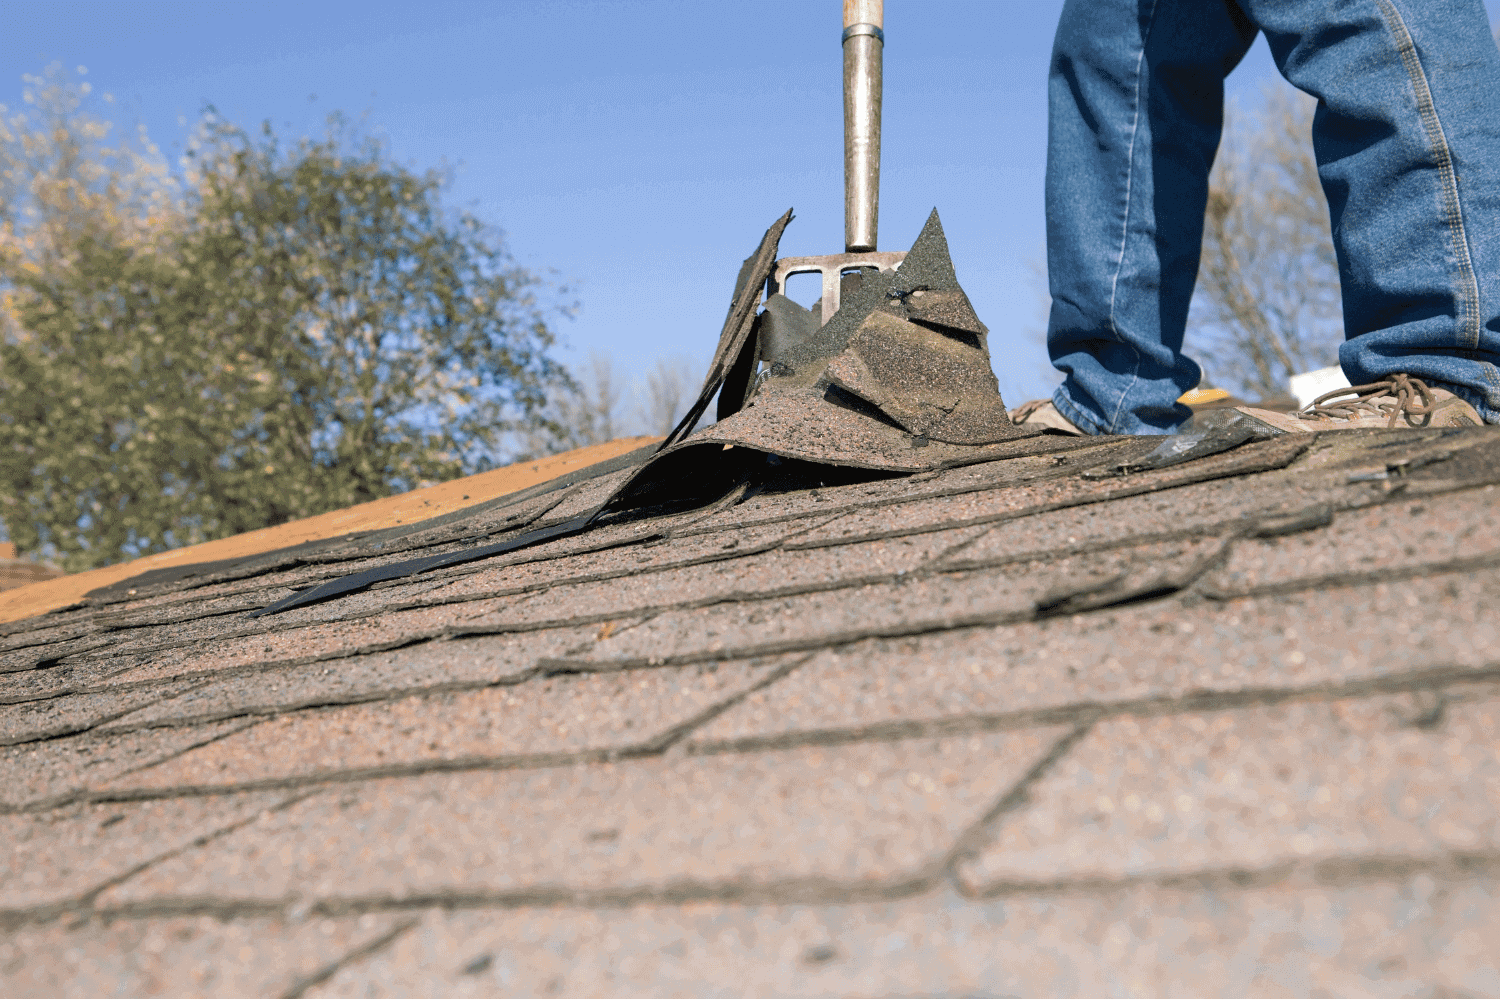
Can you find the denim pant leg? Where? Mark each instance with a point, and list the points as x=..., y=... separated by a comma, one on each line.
x=1407, y=139
x=1135, y=108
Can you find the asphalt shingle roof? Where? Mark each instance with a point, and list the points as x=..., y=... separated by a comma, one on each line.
x=1024, y=726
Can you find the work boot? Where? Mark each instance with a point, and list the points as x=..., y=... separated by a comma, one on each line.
x=1042, y=413
x=1398, y=401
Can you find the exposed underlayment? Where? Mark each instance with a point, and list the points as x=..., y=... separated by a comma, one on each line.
x=1035, y=725
x=361, y=520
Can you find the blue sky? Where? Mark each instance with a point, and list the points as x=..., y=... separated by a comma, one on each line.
x=640, y=148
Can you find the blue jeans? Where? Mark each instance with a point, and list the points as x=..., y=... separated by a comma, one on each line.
x=1407, y=140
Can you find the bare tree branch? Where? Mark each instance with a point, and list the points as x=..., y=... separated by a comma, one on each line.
x=1267, y=301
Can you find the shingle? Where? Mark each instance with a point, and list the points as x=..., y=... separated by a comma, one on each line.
x=1158, y=651
x=46, y=633
x=882, y=812
x=618, y=562
x=373, y=676
x=906, y=605
x=814, y=498
x=54, y=680
x=1431, y=530
x=187, y=631
x=1219, y=505
x=542, y=716
x=51, y=769
x=58, y=855
x=587, y=496
x=1414, y=937
x=739, y=579
x=1406, y=775
x=1049, y=494
x=182, y=956
x=34, y=720
x=30, y=657
x=306, y=644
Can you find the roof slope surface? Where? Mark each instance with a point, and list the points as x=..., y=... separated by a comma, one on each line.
x=1026, y=726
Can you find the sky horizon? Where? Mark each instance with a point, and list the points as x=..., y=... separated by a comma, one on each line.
x=639, y=149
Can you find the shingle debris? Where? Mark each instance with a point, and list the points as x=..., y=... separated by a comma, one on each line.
x=899, y=379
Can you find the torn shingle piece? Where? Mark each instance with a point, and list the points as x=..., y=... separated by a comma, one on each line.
x=735, y=335
x=921, y=394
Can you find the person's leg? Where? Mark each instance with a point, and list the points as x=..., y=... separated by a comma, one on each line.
x=1135, y=110
x=1407, y=138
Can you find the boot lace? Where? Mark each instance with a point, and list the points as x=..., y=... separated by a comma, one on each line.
x=1393, y=398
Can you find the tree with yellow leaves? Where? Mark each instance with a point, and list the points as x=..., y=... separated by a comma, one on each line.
x=279, y=331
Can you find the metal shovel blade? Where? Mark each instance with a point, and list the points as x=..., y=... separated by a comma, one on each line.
x=863, y=42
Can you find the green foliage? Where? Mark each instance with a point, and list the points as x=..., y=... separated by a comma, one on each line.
x=289, y=330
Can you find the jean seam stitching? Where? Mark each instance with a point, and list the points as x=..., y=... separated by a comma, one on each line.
x=1491, y=373
x=1079, y=416
x=1468, y=329
x=1114, y=284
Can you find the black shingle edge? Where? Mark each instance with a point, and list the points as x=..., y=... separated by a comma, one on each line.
x=723, y=478
x=275, y=558
x=395, y=571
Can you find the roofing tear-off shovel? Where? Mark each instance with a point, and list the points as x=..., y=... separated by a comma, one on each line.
x=893, y=341
x=890, y=373
x=864, y=42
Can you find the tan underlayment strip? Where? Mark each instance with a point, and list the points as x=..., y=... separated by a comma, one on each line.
x=405, y=508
